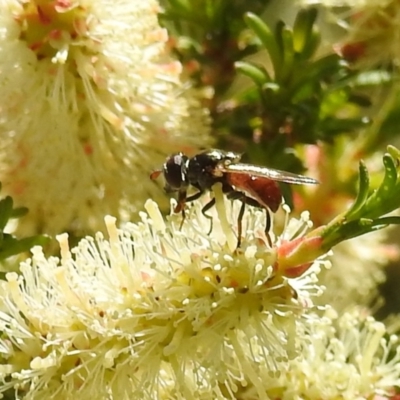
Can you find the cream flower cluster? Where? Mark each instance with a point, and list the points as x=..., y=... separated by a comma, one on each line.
x=151, y=311
x=359, y=267
x=159, y=312
x=373, y=30
x=91, y=102
x=348, y=356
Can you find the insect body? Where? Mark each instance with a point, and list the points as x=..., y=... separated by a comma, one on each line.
x=253, y=185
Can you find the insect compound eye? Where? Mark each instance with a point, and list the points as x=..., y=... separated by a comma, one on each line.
x=175, y=172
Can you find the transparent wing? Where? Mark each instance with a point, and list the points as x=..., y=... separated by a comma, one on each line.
x=270, y=173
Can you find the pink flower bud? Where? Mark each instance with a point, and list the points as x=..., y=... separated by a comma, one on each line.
x=294, y=257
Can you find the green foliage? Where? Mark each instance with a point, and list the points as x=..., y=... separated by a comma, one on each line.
x=207, y=33
x=299, y=95
x=368, y=211
x=9, y=244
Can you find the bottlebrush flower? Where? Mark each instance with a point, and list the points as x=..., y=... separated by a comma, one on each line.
x=156, y=312
x=91, y=102
x=347, y=356
x=373, y=28
x=359, y=267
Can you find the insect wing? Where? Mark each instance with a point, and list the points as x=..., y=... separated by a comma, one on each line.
x=269, y=173
x=265, y=191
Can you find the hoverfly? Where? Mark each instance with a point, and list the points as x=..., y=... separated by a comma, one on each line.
x=251, y=184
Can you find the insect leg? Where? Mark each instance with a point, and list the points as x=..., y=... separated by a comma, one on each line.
x=194, y=196
x=268, y=226
x=239, y=221
x=210, y=204
x=235, y=195
x=254, y=203
x=182, y=200
x=180, y=207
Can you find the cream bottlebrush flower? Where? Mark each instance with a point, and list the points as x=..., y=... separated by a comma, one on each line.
x=91, y=102
x=359, y=267
x=373, y=30
x=155, y=312
x=347, y=357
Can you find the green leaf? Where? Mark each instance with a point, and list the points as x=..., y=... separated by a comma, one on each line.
x=390, y=177
x=258, y=74
x=360, y=99
x=312, y=44
x=288, y=55
x=218, y=11
x=6, y=206
x=382, y=201
x=19, y=212
x=363, y=188
x=357, y=228
x=303, y=28
x=182, y=5
x=324, y=66
x=394, y=152
x=12, y=246
x=258, y=26
x=368, y=212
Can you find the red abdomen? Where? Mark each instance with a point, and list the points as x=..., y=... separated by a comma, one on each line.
x=265, y=191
